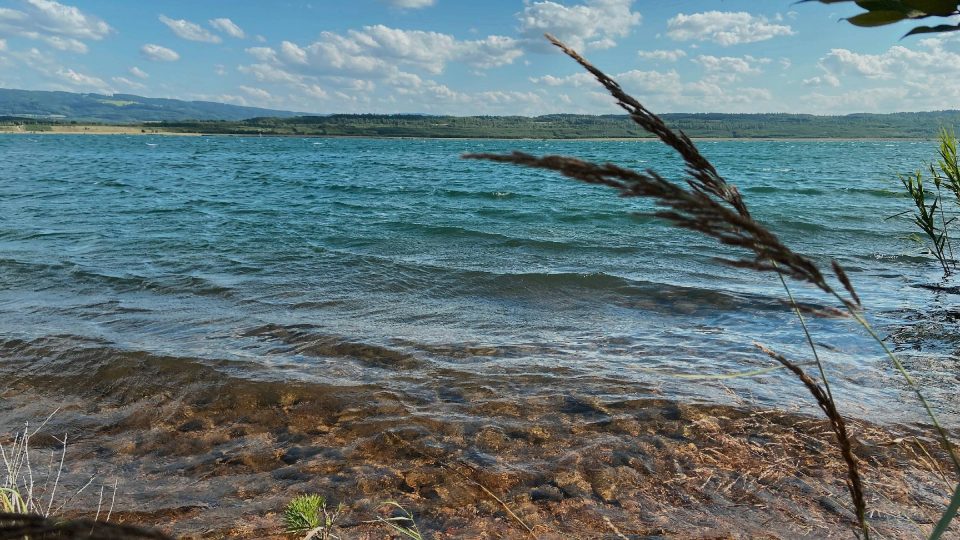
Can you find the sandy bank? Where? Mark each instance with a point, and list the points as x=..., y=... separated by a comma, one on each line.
x=91, y=130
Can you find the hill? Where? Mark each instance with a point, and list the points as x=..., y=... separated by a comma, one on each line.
x=39, y=110
x=120, y=108
x=569, y=126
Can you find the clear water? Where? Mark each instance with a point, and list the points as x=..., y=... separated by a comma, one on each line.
x=399, y=263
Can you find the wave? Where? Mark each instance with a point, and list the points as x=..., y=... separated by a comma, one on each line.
x=304, y=340
x=70, y=274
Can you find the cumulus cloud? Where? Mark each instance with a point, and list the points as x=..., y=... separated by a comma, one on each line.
x=725, y=28
x=65, y=44
x=127, y=82
x=80, y=80
x=189, y=30
x=361, y=69
x=575, y=80
x=157, y=53
x=594, y=24
x=377, y=51
x=228, y=27
x=292, y=53
x=741, y=65
x=411, y=4
x=138, y=73
x=61, y=26
x=664, y=91
x=662, y=55
x=900, y=78
x=258, y=93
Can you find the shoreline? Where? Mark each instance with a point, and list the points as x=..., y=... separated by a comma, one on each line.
x=119, y=130
x=202, y=453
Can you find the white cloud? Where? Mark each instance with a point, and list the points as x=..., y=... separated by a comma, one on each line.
x=595, y=24
x=411, y=4
x=662, y=55
x=189, y=30
x=576, y=80
x=65, y=44
x=263, y=54
x=220, y=70
x=826, y=79
x=292, y=53
x=664, y=91
x=80, y=80
x=744, y=65
x=228, y=27
x=258, y=93
x=898, y=79
x=138, y=73
x=157, y=53
x=724, y=27
x=3, y=44
x=377, y=51
x=65, y=20
x=60, y=26
x=127, y=82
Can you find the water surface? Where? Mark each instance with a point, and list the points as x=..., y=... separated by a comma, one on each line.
x=398, y=264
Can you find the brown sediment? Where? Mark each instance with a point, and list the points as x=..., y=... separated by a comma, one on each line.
x=200, y=453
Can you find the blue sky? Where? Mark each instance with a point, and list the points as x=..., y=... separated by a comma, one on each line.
x=477, y=57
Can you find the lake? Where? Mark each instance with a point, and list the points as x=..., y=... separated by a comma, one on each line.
x=404, y=285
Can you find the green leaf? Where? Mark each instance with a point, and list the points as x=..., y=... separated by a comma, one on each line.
x=877, y=18
x=940, y=8
x=883, y=5
x=948, y=516
x=933, y=29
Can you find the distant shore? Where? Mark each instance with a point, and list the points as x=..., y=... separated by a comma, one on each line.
x=141, y=130
x=81, y=129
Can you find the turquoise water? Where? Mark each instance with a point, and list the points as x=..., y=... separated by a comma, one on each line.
x=398, y=263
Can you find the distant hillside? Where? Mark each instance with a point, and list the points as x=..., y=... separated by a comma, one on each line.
x=121, y=108
x=920, y=125
x=37, y=110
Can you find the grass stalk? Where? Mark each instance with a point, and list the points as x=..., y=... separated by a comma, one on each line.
x=944, y=523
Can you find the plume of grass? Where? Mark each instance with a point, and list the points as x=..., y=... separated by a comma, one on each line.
x=839, y=427
x=715, y=208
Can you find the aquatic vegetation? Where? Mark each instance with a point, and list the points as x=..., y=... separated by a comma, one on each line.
x=713, y=207
x=945, y=173
x=926, y=219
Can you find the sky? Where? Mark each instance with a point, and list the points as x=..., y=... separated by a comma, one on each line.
x=476, y=57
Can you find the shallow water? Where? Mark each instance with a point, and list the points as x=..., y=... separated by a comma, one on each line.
x=397, y=264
